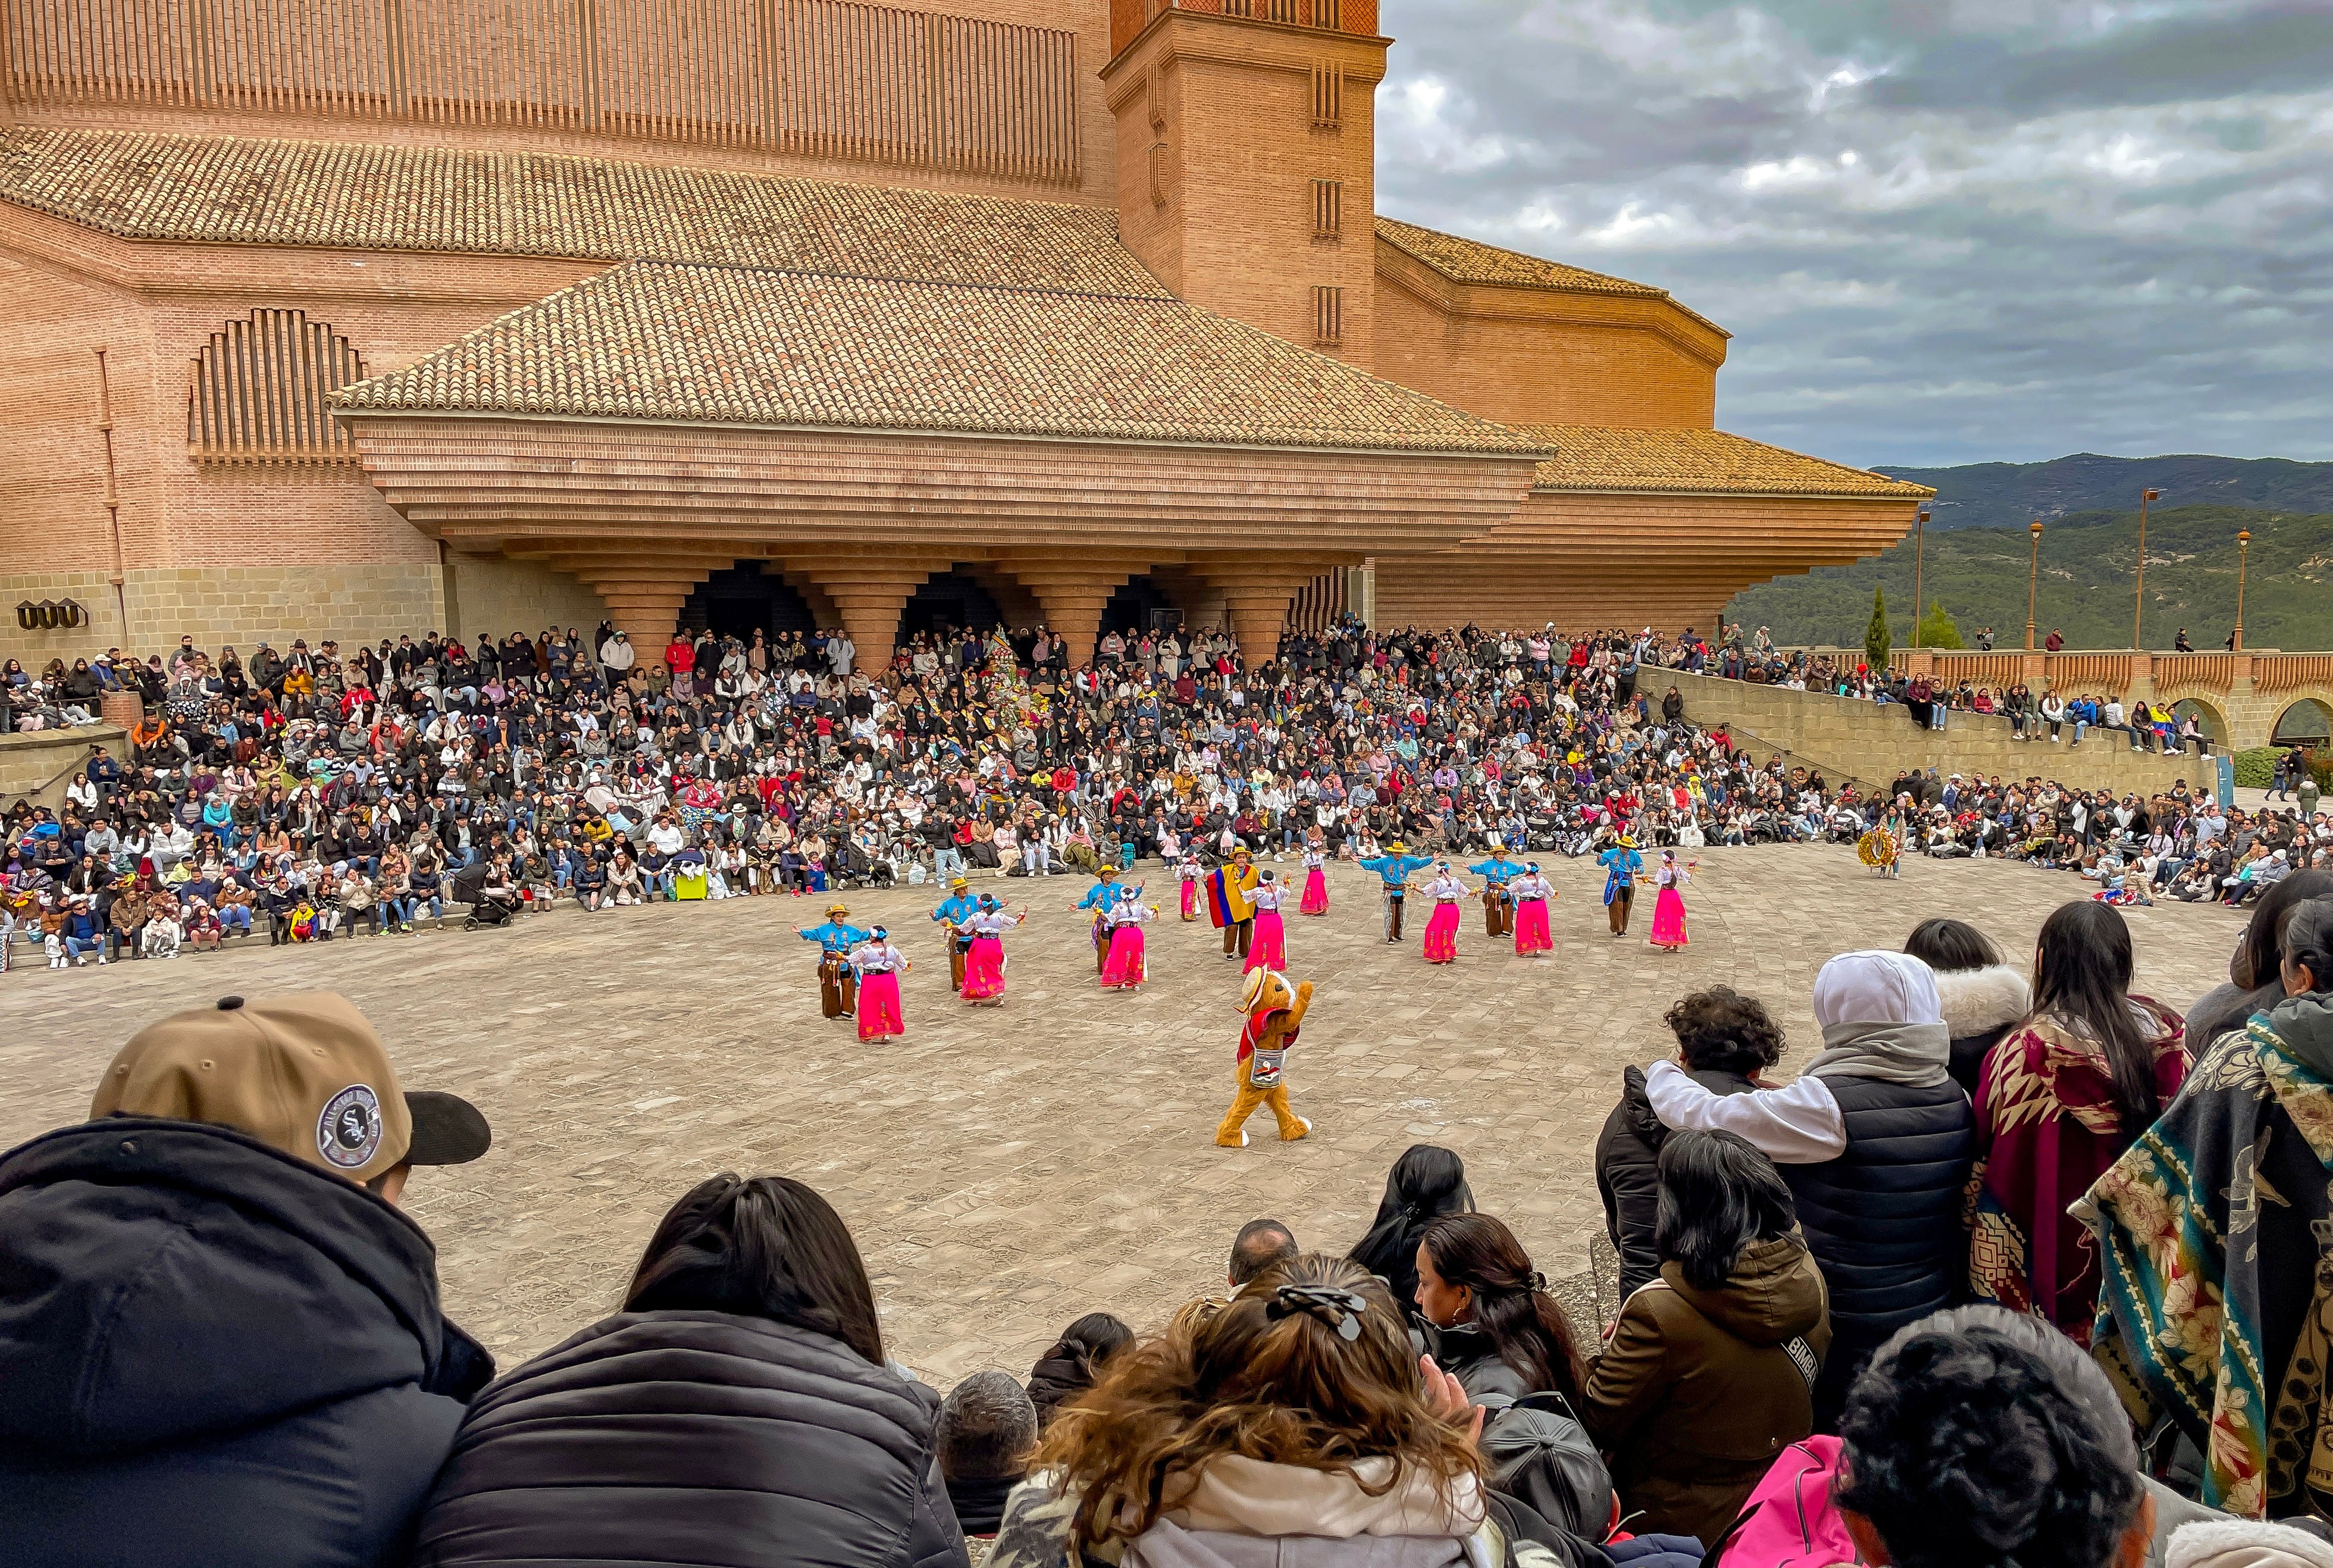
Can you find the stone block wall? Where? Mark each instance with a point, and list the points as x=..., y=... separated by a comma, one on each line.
x=36, y=765
x=487, y=593
x=1848, y=738
x=240, y=605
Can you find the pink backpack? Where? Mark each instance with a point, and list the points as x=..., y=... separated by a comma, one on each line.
x=1791, y=1521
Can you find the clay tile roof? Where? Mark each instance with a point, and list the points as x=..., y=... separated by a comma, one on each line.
x=1700, y=462
x=237, y=191
x=1470, y=260
x=743, y=345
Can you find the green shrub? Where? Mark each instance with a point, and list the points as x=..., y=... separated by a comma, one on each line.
x=2255, y=768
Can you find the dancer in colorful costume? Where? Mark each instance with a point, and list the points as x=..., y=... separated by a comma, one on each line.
x=1231, y=902
x=1188, y=872
x=1394, y=868
x=1274, y=1013
x=1621, y=865
x=984, y=966
x=1498, y=899
x=954, y=910
x=1270, y=949
x=1316, y=883
x=1101, y=899
x=1531, y=893
x=1442, y=928
x=1128, y=966
x=878, y=965
x=838, y=987
x=1668, y=907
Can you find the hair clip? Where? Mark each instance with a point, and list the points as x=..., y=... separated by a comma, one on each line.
x=1340, y=1309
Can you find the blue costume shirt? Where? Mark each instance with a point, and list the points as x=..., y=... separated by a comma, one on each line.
x=1497, y=870
x=1101, y=895
x=1620, y=869
x=1395, y=869
x=837, y=941
x=957, y=910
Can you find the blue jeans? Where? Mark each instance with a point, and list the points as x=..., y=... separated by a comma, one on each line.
x=2079, y=725
x=660, y=882
x=234, y=918
x=950, y=861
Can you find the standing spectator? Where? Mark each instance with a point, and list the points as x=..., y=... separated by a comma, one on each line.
x=1980, y=996
x=760, y=1422
x=1710, y=1372
x=2211, y=1299
x=617, y=658
x=1074, y=1361
x=1426, y=1183
x=222, y=1338
x=1726, y=1040
x=1500, y=1333
x=1875, y=1139
x=2062, y=1096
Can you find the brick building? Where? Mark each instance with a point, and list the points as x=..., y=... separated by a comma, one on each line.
x=379, y=315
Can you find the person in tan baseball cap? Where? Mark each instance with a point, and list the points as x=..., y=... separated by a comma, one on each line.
x=306, y=1074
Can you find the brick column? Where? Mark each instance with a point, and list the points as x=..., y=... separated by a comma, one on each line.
x=1257, y=591
x=869, y=595
x=646, y=612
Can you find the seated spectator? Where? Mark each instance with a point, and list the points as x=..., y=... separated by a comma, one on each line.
x=1982, y=997
x=1069, y=1367
x=1977, y=1438
x=986, y=1434
x=2211, y=1299
x=2062, y=1098
x=1710, y=1372
x=1499, y=1331
x=223, y=1338
x=2254, y=983
x=759, y=1420
x=1875, y=1139
x=1426, y=1182
x=1726, y=1040
x=1292, y=1419
x=1260, y=1244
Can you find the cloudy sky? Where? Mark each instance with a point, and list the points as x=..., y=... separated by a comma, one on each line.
x=1941, y=231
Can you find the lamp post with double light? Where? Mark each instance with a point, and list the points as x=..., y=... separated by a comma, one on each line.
x=2139, y=614
x=2032, y=577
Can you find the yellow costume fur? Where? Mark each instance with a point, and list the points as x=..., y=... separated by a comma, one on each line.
x=1274, y=1012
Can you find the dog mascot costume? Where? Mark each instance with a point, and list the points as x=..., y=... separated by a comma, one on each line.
x=1274, y=1013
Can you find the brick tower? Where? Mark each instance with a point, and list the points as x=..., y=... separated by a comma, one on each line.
x=1246, y=139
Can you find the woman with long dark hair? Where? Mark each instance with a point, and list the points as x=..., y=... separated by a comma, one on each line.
x=1426, y=1182
x=1982, y=999
x=1711, y=1370
x=737, y=1410
x=2060, y=1098
x=1501, y=1332
x=1074, y=1361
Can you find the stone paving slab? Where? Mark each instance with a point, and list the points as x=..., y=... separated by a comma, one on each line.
x=1007, y=1169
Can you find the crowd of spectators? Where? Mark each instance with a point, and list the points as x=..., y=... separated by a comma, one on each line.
x=2073, y=1316
x=316, y=793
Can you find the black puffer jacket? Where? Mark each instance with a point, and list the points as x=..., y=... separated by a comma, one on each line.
x=1628, y=1169
x=213, y=1353
x=698, y=1438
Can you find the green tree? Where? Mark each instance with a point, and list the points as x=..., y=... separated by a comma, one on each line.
x=1938, y=629
x=1876, y=639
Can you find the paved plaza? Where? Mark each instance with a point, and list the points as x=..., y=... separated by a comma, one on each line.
x=1007, y=1169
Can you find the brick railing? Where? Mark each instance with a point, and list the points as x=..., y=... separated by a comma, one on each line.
x=2293, y=671
x=1128, y=18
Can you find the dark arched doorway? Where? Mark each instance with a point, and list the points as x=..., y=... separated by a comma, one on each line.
x=1139, y=605
x=949, y=601
x=2308, y=722
x=739, y=600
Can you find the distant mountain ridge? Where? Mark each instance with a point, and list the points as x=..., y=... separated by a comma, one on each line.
x=2011, y=495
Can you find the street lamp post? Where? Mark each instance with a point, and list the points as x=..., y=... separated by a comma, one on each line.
x=1919, y=551
x=2033, y=575
x=2243, y=558
x=2138, y=615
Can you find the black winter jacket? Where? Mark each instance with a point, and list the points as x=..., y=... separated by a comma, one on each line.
x=1628, y=1169
x=698, y=1438
x=213, y=1353
x=1883, y=1218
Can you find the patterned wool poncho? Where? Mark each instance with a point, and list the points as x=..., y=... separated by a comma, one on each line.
x=2215, y=1233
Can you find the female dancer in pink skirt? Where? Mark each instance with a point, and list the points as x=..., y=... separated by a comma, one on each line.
x=1668, y=909
x=984, y=966
x=879, y=965
x=1187, y=870
x=1268, y=950
x=1531, y=893
x=1127, y=966
x=1442, y=929
x=1316, y=882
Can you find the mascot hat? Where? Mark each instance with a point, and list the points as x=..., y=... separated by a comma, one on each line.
x=1258, y=983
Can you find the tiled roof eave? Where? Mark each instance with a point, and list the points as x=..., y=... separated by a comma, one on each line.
x=1229, y=444
x=1750, y=491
